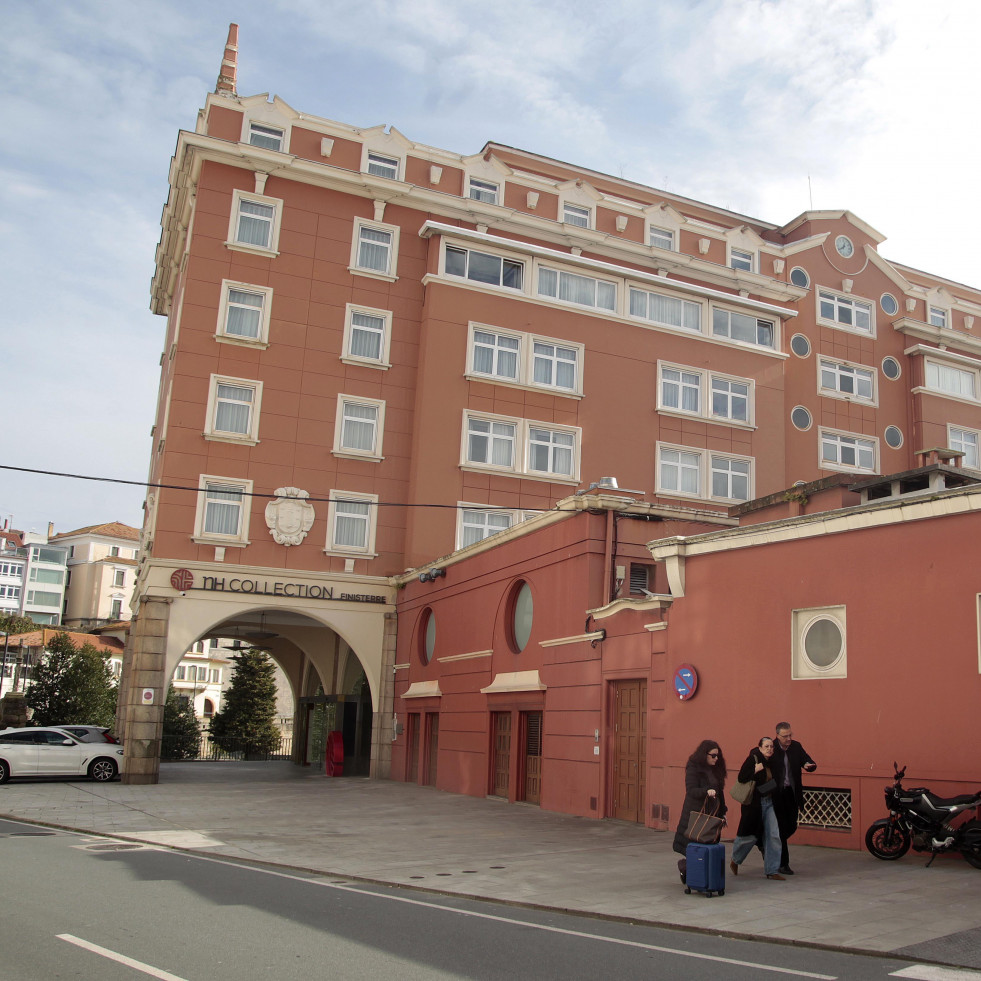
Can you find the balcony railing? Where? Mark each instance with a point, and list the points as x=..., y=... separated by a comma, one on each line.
x=180, y=748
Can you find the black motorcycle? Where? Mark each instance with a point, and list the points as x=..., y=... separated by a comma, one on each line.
x=922, y=819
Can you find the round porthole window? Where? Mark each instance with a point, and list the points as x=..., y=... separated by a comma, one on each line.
x=522, y=609
x=823, y=643
x=889, y=304
x=894, y=437
x=801, y=418
x=427, y=636
x=891, y=368
x=800, y=345
x=800, y=278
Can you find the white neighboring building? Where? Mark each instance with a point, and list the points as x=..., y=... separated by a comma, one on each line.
x=202, y=675
x=32, y=575
x=101, y=573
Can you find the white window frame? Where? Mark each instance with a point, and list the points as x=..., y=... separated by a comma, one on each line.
x=241, y=537
x=380, y=161
x=659, y=232
x=240, y=196
x=802, y=668
x=581, y=213
x=383, y=360
x=845, y=440
x=491, y=190
x=743, y=260
x=525, y=357
x=118, y=578
x=774, y=324
x=555, y=441
x=557, y=297
x=965, y=441
x=341, y=450
x=253, y=124
x=478, y=283
x=229, y=286
x=844, y=369
x=483, y=518
x=251, y=436
x=389, y=275
x=521, y=445
x=335, y=510
x=938, y=316
x=841, y=302
x=968, y=370
x=701, y=463
x=652, y=297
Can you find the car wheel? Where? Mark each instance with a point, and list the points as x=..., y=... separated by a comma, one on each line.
x=4, y=771
x=103, y=769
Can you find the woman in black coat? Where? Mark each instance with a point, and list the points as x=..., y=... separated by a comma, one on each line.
x=758, y=821
x=705, y=780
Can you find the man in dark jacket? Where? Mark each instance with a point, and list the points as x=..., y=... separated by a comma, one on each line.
x=789, y=758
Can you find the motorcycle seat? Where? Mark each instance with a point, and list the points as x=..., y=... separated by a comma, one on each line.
x=969, y=799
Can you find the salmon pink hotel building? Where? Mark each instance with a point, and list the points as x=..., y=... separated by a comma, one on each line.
x=530, y=477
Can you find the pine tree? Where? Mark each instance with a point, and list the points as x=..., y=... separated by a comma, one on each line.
x=72, y=685
x=246, y=722
x=181, y=730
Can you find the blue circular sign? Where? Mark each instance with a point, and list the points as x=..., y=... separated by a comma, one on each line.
x=685, y=681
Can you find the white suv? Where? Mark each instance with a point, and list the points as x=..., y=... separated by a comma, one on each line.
x=51, y=752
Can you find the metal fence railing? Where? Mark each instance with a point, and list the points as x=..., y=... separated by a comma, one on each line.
x=181, y=748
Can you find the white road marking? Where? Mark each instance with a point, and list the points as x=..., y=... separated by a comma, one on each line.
x=522, y=923
x=111, y=955
x=928, y=972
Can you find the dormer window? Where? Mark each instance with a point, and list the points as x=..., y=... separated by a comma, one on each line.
x=938, y=317
x=741, y=259
x=573, y=214
x=268, y=137
x=662, y=238
x=382, y=166
x=484, y=191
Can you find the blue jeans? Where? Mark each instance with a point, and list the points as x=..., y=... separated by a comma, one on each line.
x=743, y=844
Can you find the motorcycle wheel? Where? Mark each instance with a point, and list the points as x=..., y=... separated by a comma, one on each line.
x=971, y=848
x=886, y=840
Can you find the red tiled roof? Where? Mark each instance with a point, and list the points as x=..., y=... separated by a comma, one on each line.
x=111, y=529
x=41, y=638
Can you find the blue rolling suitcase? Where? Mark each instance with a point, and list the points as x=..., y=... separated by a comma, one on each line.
x=706, y=871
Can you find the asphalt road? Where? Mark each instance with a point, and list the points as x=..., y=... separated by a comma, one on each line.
x=84, y=907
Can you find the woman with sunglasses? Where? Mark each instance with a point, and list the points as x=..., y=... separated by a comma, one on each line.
x=705, y=780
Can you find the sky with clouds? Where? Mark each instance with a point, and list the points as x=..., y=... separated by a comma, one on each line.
x=766, y=107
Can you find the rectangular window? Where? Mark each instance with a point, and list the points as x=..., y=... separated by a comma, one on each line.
x=938, y=316
x=53, y=577
x=573, y=214
x=965, y=441
x=119, y=577
x=265, y=136
x=116, y=609
x=382, y=166
x=244, y=313
x=10, y=592
x=476, y=525
x=35, y=597
x=523, y=359
x=571, y=288
x=668, y=310
x=374, y=250
x=491, y=443
x=845, y=311
x=662, y=238
x=701, y=393
x=681, y=390
x=841, y=451
x=683, y=471
x=846, y=379
x=950, y=380
x=730, y=478
x=483, y=191
x=482, y=267
x=551, y=451
x=256, y=223
x=741, y=259
x=367, y=335
x=679, y=471
x=495, y=354
x=554, y=366
x=233, y=409
x=223, y=509
x=359, y=427
x=730, y=399
x=113, y=551
x=180, y=674
x=742, y=327
x=351, y=523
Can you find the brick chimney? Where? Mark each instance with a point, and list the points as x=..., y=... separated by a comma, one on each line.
x=227, y=76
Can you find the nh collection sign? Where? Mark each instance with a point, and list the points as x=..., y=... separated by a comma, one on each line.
x=183, y=580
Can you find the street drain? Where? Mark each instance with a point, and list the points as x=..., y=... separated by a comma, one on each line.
x=498, y=866
x=111, y=848
x=469, y=871
x=444, y=873
x=32, y=834
x=417, y=877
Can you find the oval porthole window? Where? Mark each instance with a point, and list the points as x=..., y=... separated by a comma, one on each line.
x=891, y=368
x=894, y=437
x=889, y=304
x=427, y=636
x=522, y=614
x=823, y=643
x=800, y=345
x=800, y=278
x=801, y=418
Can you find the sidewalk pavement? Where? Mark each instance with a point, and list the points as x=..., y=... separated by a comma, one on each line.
x=406, y=835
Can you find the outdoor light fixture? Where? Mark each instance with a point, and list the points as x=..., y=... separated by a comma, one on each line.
x=432, y=575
